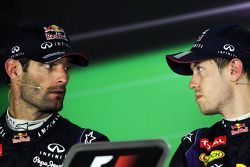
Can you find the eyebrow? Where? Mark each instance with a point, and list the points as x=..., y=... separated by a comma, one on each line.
x=195, y=64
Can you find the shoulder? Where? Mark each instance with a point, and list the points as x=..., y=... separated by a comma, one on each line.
x=193, y=138
x=86, y=135
x=67, y=125
x=89, y=136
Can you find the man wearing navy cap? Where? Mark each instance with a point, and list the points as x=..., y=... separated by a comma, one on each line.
x=36, y=66
x=219, y=63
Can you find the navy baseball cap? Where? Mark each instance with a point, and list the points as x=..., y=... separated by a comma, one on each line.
x=227, y=41
x=43, y=43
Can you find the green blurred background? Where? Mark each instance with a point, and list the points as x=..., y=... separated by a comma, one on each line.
x=132, y=98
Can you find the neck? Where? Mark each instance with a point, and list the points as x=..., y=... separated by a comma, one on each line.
x=19, y=109
x=242, y=117
x=21, y=125
x=240, y=104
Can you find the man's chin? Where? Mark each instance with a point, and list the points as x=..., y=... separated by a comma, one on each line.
x=208, y=112
x=52, y=110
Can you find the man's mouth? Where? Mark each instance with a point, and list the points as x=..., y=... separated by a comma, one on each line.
x=58, y=91
x=198, y=97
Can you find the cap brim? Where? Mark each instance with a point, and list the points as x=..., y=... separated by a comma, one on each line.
x=77, y=58
x=180, y=62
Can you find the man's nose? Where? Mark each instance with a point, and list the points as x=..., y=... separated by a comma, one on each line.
x=63, y=76
x=193, y=83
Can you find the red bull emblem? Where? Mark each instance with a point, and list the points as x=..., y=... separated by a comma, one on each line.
x=239, y=128
x=21, y=137
x=55, y=32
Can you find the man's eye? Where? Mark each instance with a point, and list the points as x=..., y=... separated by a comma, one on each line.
x=199, y=69
x=67, y=68
x=48, y=66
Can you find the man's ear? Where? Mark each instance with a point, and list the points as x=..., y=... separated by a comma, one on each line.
x=236, y=69
x=13, y=68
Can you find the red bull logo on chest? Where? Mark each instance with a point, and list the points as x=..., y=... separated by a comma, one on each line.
x=239, y=128
x=21, y=137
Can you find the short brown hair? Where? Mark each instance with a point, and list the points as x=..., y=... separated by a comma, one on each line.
x=222, y=62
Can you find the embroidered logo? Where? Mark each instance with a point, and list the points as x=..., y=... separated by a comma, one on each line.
x=216, y=165
x=202, y=35
x=188, y=136
x=216, y=154
x=89, y=137
x=2, y=132
x=21, y=137
x=15, y=49
x=239, y=128
x=240, y=165
x=46, y=45
x=229, y=47
x=205, y=143
x=49, y=125
x=56, y=148
x=54, y=32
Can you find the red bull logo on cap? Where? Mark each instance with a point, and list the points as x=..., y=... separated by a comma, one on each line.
x=55, y=32
x=239, y=128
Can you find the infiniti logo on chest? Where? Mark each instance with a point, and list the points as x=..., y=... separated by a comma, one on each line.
x=56, y=148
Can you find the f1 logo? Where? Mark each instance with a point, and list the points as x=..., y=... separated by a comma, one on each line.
x=121, y=161
x=101, y=160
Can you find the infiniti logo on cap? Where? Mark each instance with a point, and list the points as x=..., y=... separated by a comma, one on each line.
x=15, y=49
x=46, y=45
x=229, y=47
